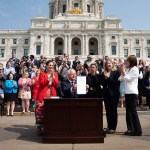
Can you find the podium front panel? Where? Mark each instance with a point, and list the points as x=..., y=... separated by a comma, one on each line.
x=73, y=121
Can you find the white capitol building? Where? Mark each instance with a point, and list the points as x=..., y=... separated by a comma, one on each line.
x=75, y=27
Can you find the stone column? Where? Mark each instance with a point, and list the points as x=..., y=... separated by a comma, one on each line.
x=98, y=10
x=51, y=45
x=57, y=7
x=86, y=50
x=95, y=7
x=8, y=49
x=70, y=4
x=120, y=47
x=50, y=12
x=101, y=9
x=86, y=45
x=67, y=6
x=60, y=7
x=82, y=45
x=99, y=45
x=65, y=45
x=32, y=45
x=83, y=4
x=106, y=46
x=69, y=46
x=132, y=49
x=46, y=45
x=143, y=55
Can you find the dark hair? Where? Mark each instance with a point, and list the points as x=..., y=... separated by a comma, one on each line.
x=86, y=66
x=9, y=75
x=147, y=75
x=8, y=62
x=49, y=62
x=1, y=87
x=132, y=61
x=32, y=56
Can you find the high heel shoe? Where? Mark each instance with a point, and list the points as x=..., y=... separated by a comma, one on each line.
x=7, y=114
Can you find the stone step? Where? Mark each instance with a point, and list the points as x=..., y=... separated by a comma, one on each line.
x=18, y=111
x=24, y=114
x=18, y=108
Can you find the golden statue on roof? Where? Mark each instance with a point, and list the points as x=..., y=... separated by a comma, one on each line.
x=76, y=10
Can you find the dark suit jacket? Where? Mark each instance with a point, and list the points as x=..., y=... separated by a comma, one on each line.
x=74, y=64
x=94, y=83
x=146, y=84
x=66, y=90
x=37, y=63
x=111, y=85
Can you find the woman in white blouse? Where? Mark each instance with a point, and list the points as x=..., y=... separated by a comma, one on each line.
x=130, y=76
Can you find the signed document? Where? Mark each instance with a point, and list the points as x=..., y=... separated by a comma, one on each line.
x=81, y=84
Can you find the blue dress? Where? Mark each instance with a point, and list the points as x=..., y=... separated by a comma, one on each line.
x=122, y=88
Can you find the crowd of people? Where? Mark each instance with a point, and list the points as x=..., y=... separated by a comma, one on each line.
x=28, y=78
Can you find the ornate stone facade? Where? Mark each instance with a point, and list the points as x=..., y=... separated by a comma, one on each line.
x=75, y=27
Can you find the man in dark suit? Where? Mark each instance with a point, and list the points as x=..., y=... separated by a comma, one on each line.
x=69, y=86
x=75, y=62
x=34, y=61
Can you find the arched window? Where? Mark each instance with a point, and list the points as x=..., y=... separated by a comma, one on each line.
x=64, y=9
x=58, y=46
x=88, y=8
x=76, y=5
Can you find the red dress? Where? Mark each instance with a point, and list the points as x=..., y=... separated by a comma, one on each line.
x=44, y=86
x=44, y=92
x=35, y=87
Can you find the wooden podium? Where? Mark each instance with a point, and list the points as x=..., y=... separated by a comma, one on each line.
x=73, y=121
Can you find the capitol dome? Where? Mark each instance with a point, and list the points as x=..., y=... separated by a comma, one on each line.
x=70, y=8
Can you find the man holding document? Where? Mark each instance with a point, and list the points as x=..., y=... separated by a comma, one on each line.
x=82, y=86
x=74, y=87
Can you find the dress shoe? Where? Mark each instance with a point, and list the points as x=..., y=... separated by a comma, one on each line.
x=111, y=131
x=128, y=132
x=136, y=133
x=104, y=132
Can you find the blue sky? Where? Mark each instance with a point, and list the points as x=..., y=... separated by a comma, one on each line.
x=16, y=14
